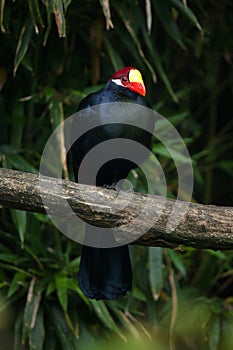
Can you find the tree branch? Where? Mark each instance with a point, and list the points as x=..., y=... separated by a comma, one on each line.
x=203, y=226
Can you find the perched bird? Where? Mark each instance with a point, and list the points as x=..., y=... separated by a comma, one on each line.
x=105, y=273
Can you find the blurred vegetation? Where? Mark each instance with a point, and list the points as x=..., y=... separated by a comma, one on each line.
x=53, y=53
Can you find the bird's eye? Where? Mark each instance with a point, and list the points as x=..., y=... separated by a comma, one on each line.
x=124, y=80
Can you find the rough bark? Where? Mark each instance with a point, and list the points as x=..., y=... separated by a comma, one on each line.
x=203, y=226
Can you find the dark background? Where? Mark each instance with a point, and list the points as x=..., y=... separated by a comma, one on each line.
x=53, y=53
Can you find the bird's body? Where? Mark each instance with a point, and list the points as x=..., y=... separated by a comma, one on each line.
x=105, y=273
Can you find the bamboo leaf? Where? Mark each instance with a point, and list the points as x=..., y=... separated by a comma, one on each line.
x=35, y=14
x=23, y=44
x=148, y=15
x=2, y=2
x=18, y=162
x=17, y=330
x=171, y=153
x=50, y=288
x=124, y=320
x=138, y=294
x=162, y=125
x=56, y=110
x=158, y=64
x=20, y=220
x=177, y=262
x=227, y=166
x=61, y=289
x=73, y=285
x=57, y=117
x=61, y=327
x=66, y=4
x=49, y=11
x=117, y=62
x=9, y=258
x=107, y=13
x=136, y=41
x=214, y=330
x=59, y=14
x=178, y=118
x=9, y=149
x=37, y=334
x=30, y=310
x=164, y=13
x=17, y=124
x=3, y=77
x=155, y=271
x=179, y=5
x=105, y=317
x=18, y=278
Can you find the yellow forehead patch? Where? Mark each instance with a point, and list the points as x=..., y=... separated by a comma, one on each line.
x=135, y=76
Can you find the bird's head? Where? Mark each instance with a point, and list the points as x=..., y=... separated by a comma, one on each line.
x=130, y=78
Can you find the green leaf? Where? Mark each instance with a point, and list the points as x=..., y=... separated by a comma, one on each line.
x=59, y=14
x=124, y=320
x=16, y=283
x=3, y=77
x=35, y=14
x=158, y=64
x=217, y=253
x=49, y=11
x=66, y=4
x=62, y=329
x=137, y=42
x=9, y=149
x=162, y=124
x=177, y=262
x=61, y=289
x=138, y=294
x=74, y=97
x=49, y=92
x=155, y=270
x=178, y=118
x=117, y=62
x=165, y=15
x=105, y=317
x=26, y=63
x=37, y=334
x=214, y=330
x=17, y=330
x=57, y=117
x=23, y=44
x=20, y=220
x=17, y=120
x=184, y=9
x=73, y=285
x=198, y=176
x=227, y=166
x=56, y=112
x=18, y=162
x=41, y=217
x=9, y=258
x=50, y=288
x=31, y=310
x=3, y=284
x=2, y=7
x=170, y=153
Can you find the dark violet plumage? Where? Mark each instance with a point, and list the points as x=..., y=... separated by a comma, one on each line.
x=105, y=273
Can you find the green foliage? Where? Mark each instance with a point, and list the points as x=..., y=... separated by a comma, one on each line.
x=52, y=54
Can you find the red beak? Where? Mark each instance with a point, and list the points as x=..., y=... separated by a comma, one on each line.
x=139, y=88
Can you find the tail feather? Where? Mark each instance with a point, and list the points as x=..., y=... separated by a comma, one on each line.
x=105, y=273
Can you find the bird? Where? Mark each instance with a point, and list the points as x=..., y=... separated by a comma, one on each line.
x=106, y=273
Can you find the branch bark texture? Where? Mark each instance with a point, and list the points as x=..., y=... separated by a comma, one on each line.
x=202, y=226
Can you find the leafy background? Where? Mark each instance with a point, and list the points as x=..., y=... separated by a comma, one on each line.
x=53, y=53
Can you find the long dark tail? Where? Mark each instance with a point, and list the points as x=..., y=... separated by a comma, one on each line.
x=105, y=273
